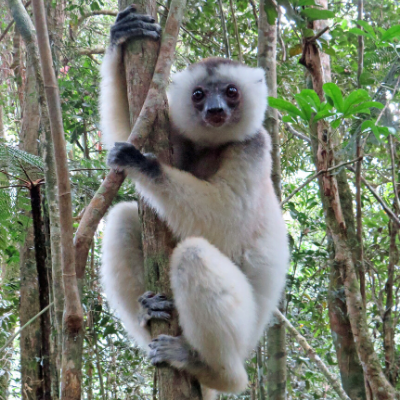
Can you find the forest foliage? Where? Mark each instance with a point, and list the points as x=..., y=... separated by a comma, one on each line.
x=361, y=108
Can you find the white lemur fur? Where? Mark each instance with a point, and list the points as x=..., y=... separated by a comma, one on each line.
x=228, y=271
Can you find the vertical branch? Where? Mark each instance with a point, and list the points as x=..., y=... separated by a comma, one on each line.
x=394, y=183
x=360, y=9
x=40, y=255
x=236, y=30
x=73, y=315
x=224, y=30
x=360, y=258
x=276, y=343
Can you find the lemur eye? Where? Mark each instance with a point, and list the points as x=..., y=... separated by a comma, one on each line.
x=198, y=94
x=232, y=91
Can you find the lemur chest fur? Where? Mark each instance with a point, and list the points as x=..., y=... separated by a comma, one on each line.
x=201, y=161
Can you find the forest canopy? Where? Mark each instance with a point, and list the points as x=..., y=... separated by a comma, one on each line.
x=333, y=76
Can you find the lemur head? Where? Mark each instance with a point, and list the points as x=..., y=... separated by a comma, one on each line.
x=217, y=101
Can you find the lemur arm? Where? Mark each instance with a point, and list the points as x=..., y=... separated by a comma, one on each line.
x=114, y=108
x=181, y=198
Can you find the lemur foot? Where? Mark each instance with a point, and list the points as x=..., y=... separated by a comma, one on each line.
x=155, y=306
x=130, y=25
x=171, y=350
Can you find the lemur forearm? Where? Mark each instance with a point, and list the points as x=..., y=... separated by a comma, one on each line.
x=114, y=109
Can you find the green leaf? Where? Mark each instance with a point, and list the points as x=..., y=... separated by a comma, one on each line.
x=313, y=14
x=312, y=98
x=332, y=90
x=364, y=108
x=271, y=11
x=367, y=27
x=336, y=123
x=284, y=105
x=304, y=106
x=288, y=118
x=367, y=125
x=322, y=114
x=358, y=31
x=354, y=98
x=391, y=33
x=328, y=50
x=302, y=3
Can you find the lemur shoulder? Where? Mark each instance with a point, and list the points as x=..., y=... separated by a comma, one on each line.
x=228, y=270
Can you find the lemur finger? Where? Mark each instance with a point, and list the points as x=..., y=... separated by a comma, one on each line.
x=130, y=25
x=128, y=10
x=135, y=17
x=121, y=37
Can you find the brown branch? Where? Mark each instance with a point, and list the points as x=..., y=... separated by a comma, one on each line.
x=10, y=340
x=94, y=13
x=94, y=50
x=236, y=31
x=224, y=30
x=312, y=355
x=289, y=128
x=394, y=183
x=254, y=8
x=316, y=175
x=387, y=209
x=9, y=26
x=14, y=177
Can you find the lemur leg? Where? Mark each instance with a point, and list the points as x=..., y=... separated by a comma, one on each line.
x=122, y=274
x=114, y=108
x=217, y=313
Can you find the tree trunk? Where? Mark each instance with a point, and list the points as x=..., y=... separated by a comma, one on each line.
x=324, y=156
x=140, y=59
x=31, y=337
x=276, y=334
x=73, y=314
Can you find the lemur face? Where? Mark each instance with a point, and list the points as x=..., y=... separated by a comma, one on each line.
x=217, y=102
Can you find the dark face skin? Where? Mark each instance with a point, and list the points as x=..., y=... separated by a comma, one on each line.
x=216, y=102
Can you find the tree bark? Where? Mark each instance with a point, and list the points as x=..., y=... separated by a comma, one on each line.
x=276, y=334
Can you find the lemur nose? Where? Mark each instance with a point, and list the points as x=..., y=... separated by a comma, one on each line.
x=215, y=111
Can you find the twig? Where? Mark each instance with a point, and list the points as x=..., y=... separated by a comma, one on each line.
x=226, y=39
x=254, y=8
x=312, y=177
x=9, y=26
x=14, y=177
x=96, y=12
x=289, y=128
x=388, y=211
x=311, y=353
x=12, y=186
x=89, y=169
x=392, y=159
x=236, y=31
x=27, y=324
x=388, y=101
x=94, y=50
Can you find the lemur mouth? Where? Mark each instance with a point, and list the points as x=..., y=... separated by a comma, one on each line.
x=216, y=120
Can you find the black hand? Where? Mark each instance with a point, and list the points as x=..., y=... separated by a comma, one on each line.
x=125, y=155
x=130, y=25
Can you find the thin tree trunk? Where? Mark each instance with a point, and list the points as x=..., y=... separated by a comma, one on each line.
x=276, y=334
x=27, y=30
x=73, y=315
x=31, y=337
x=40, y=255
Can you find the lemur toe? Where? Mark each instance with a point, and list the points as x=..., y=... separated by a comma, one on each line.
x=155, y=306
x=168, y=349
